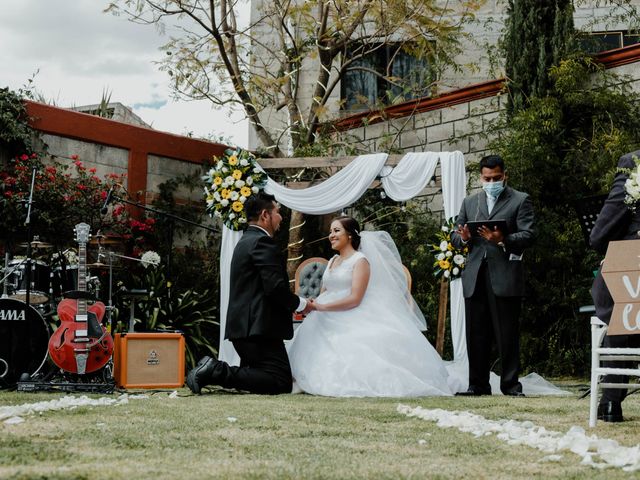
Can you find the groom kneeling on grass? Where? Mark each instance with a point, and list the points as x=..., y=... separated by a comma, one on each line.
x=260, y=310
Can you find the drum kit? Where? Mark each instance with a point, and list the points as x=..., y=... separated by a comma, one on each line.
x=29, y=300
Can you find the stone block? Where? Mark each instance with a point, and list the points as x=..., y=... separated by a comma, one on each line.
x=455, y=112
x=440, y=132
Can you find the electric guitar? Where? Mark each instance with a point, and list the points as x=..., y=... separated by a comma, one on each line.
x=81, y=344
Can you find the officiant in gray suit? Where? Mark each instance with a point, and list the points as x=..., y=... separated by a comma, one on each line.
x=493, y=278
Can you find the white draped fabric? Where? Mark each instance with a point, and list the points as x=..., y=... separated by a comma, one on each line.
x=401, y=183
x=454, y=180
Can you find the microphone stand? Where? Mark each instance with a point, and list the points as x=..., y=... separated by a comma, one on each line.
x=173, y=219
x=27, y=223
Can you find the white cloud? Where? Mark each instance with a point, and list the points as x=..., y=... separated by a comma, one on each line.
x=79, y=52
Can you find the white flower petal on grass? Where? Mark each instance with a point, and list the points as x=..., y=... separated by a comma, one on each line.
x=232, y=419
x=609, y=453
x=14, y=420
x=173, y=394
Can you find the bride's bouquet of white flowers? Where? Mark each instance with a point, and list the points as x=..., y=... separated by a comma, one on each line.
x=632, y=185
x=234, y=177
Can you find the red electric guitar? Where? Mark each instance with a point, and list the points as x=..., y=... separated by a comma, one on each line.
x=81, y=344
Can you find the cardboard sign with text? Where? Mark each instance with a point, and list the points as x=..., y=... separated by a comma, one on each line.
x=621, y=273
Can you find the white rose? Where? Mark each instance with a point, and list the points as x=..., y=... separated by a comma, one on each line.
x=234, y=196
x=250, y=181
x=219, y=165
x=456, y=270
x=458, y=259
x=244, y=162
x=255, y=189
x=224, y=202
x=242, y=198
x=230, y=180
x=242, y=220
x=232, y=216
x=225, y=169
x=440, y=256
x=446, y=274
x=257, y=170
x=443, y=245
x=239, y=183
x=448, y=254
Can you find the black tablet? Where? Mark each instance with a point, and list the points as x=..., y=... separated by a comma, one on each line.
x=490, y=224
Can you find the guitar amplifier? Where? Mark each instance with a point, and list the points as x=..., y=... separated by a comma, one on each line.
x=149, y=360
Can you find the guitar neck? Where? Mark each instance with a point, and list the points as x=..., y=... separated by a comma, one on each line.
x=82, y=277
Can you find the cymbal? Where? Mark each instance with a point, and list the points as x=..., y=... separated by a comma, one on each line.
x=100, y=266
x=105, y=240
x=36, y=244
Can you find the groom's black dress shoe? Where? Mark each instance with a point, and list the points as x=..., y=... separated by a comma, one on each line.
x=610, y=412
x=474, y=392
x=515, y=393
x=199, y=375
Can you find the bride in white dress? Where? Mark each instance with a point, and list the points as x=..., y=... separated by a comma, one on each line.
x=364, y=337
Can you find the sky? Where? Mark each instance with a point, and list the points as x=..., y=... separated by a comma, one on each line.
x=79, y=52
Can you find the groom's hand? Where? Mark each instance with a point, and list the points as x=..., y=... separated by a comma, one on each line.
x=309, y=307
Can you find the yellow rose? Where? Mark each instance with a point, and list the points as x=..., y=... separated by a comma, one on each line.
x=217, y=180
x=237, y=206
x=237, y=174
x=245, y=191
x=233, y=160
x=444, y=264
x=225, y=193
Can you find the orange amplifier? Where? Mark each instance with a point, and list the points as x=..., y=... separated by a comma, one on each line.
x=149, y=360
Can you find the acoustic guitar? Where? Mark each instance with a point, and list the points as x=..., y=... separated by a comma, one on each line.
x=81, y=344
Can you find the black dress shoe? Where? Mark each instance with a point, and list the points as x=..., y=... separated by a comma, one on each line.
x=474, y=392
x=198, y=376
x=610, y=412
x=515, y=393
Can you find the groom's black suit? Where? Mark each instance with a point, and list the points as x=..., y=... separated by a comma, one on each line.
x=259, y=316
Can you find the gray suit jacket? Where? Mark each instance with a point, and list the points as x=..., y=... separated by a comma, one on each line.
x=506, y=273
x=615, y=222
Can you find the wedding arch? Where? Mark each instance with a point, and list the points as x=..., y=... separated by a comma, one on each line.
x=401, y=183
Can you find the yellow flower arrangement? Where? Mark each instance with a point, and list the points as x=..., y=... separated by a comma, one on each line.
x=234, y=177
x=448, y=260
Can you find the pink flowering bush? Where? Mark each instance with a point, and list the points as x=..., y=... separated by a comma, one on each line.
x=65, y=194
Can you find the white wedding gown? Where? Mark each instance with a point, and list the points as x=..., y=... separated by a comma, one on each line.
x=373, y=350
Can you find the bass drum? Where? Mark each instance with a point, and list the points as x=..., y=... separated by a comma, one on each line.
x=24, y=340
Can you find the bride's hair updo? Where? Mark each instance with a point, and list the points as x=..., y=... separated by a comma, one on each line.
x=352, y=227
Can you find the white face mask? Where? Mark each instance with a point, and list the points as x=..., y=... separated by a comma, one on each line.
x=493, y=189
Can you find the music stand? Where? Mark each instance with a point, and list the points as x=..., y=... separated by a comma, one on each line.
x=588, y=209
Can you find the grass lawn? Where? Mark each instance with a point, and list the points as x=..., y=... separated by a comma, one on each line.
x=227, y=435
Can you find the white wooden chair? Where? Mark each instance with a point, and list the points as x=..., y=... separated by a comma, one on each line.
x=600, y=354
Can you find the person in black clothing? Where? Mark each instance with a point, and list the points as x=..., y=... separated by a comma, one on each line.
x=259, y=315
